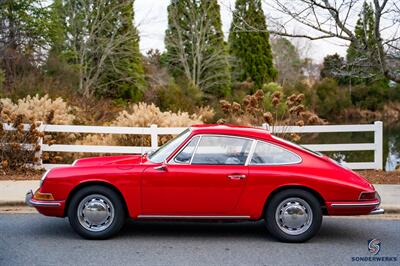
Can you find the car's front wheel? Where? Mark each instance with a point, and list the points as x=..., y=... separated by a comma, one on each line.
x=293, y=215
x=96, y=212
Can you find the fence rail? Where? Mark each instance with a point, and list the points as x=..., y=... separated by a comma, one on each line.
x=153, y=131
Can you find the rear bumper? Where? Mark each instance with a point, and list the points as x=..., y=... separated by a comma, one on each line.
x=49, y=208
x=355, y=207
x=378, y=211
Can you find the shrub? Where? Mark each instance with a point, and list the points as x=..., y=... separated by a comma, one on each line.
x=175, y=98
x=269, y=90
x=144, y=115
x=18, y=147
x=371, y=97
x=252, y=112
x=2, y=79
x=38, y=108
x=331, y=99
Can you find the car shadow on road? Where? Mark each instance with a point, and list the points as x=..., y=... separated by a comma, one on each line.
x=193, y=229
x=332, y=229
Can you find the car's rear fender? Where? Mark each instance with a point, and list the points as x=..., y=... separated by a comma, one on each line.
x=305, y=188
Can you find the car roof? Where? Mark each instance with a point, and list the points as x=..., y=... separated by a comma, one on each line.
x=225, y=129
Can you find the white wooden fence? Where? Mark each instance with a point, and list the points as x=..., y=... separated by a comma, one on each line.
x=154, y=132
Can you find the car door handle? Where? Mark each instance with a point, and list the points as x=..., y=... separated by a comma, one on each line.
x=161, y=168
x=236, y=177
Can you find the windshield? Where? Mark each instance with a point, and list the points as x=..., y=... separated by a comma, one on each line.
x=165, y=150
x=297, y=145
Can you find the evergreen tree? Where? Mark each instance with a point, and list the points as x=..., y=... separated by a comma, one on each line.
x=216, y=51
x=249, y=44
x=57, y=27
x=24, y=36
x=124, y=74
x=333, y=67
x=195, y=46
x=362, y=55
x=56, y=64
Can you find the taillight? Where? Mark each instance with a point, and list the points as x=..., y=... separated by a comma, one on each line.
x=367, y=195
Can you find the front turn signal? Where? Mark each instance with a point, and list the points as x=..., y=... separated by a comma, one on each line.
x=43, y=196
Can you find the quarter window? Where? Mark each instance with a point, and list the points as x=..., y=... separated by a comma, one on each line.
x=269, y=154
x=186, y=154
x=221, y=150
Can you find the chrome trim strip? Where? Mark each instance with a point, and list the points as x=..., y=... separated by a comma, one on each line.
x=251, y=152
x=172, y=160
x=195, y=149
x=44, y=204
x=351, y=205
x=141, y=216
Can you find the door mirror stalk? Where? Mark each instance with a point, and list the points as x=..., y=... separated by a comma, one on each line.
x=162, y=167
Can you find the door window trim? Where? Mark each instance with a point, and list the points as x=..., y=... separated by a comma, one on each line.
x=172, y=160
x=300, y=159
x=252, y=148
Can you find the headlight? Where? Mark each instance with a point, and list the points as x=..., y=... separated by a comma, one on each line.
x=44, y=176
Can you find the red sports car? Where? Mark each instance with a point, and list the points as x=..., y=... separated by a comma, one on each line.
x=208, y=172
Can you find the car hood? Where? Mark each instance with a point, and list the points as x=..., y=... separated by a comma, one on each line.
x=107, y=160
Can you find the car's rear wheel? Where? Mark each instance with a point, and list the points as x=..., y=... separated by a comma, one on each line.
x=96, y=212
x=293, y=215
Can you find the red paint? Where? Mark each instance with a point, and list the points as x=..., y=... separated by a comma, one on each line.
x=207, y=190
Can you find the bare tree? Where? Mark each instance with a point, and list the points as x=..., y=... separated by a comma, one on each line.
x=96, y=42
x=195, y=46
x=325, y=19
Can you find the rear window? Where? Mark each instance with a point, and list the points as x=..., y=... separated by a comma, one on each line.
x=298, y=146
x=270, y=154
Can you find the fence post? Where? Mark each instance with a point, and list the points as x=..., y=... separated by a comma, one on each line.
x=38, y=154
x=154, y=137
x=378, y=140
x=265, y=126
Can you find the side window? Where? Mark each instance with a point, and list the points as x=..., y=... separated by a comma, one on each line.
x=269, y=154
x=185, y=155
x=221, y=150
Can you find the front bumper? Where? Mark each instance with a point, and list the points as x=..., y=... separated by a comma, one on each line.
x=30, y=201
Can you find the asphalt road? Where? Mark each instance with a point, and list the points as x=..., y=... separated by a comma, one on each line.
x=32, y=239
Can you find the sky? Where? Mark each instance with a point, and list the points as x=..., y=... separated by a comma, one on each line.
x=151, y=20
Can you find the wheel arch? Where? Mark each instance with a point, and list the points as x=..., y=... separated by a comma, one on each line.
x=94, y=183
x=305, y=188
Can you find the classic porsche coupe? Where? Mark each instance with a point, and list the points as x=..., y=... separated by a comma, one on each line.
x=208, y=172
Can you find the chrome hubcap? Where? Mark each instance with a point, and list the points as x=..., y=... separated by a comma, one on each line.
x=95, y=212
x=294, y=216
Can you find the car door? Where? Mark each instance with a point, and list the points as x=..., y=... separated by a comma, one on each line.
x=206, y=178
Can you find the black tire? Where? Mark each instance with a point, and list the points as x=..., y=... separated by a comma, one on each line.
x=114, y=225
x=289, y=196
